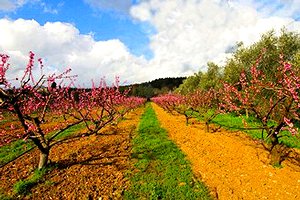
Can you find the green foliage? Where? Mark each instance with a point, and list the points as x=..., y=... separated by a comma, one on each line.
x=23, y=187
x=143, y=91
x=153, y=88
x=287, y=44
x=190, y=84
x=231, y=121
x=211, y=79
x=162, y=170
x=204, y=81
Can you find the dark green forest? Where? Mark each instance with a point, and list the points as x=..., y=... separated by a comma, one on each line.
x=154, y=88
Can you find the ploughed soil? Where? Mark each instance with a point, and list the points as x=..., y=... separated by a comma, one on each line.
x=231, y=164
x=91, y=167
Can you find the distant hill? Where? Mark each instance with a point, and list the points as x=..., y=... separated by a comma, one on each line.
x=154, y=88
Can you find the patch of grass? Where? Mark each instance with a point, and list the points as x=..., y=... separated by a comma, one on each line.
x=69, y=131
x=279, y=166
x=8, y=117
x=13, y=150
x=162, y=172
x=23, y=187
x=4, y=196
x=231, y=121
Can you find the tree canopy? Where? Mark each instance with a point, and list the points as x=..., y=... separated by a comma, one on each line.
x=268, y=50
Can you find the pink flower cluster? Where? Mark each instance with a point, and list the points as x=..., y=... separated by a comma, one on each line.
x=276, y=101
x=3, y=68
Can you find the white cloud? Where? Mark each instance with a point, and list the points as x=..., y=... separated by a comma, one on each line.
x=280, y=8
x=11, y=5
x=47, y=8
x=116, y=5
x=61, y=45
x=192, y=32
x=188, y=34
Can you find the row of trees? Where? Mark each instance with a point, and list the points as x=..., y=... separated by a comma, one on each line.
x=243, y=57
x=36, y=102
x=266, y=88
x=153, y=88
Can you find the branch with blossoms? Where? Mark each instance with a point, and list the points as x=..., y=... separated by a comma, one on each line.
x=175, y=104
x=130, y=103
x=275, y=104
x=205, y=104
x=98, y=106
x=38, y=102
x=199, y=103
x=33, y=104
x=168, y=101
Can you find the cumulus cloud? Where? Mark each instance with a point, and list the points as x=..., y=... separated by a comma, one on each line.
x=61, y=45
x=189, y=33
x=116, y=5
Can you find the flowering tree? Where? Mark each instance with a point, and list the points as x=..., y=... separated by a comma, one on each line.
x=175, y=103
x=168, y=101
x=38, y=102
x=33, y=101
x=99, y=106
x=131, y=103
x=205, y=104
x=199, y=103
x=275, y=104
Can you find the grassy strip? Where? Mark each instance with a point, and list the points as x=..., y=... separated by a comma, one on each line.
x=13, y=150
x=162, y=170
x=233, y=122
x=23, y=187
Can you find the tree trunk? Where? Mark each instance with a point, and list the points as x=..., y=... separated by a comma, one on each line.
x=207, y=127
x=43, y=159
x=186, y=119
x=276, y=155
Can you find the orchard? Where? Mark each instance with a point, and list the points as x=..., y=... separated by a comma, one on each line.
x=60, y=140
x=36, y=102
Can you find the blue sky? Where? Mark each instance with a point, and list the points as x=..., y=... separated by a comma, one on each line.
x=138, y=40
x=103, y=22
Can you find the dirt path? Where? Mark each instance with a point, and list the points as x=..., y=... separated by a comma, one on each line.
x=232, y=165
x=86, y=168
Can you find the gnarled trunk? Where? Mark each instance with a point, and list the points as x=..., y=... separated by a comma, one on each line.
x=44, y=149
x=275, y=151
x=276, y=155
x=186, y=119
x=207, y=127
x=43, y=159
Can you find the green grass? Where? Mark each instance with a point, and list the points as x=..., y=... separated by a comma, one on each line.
x=162, y=172
x=4, y=196
x=13, y=150
x=233, y=122
x=23, y=187
x=70, y=131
